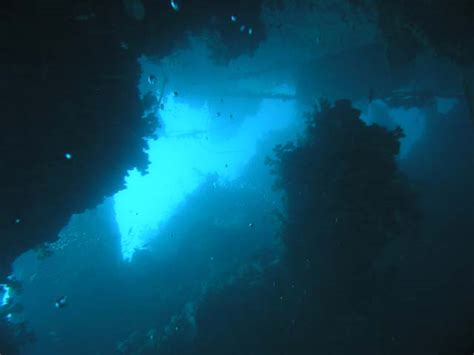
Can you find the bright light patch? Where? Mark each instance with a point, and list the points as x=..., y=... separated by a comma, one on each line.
x=175, y=5
x=68, y=156
x=189, y=148
x=5, y=290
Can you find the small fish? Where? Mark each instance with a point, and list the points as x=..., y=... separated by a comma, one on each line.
x=250, y=31
x=251, y=225
x=175, y=93
x=175, y=5
x=233, y=18
x=152, y=80
x=61, y=302
x=124, y=45
x=218, y=114
x=242, y=28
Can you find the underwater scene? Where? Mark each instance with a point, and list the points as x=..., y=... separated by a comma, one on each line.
x=252, y=177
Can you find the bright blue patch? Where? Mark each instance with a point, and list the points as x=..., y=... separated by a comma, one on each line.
x=5, y=292
x=187, y=151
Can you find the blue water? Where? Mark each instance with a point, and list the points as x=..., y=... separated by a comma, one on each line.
x=195, y=255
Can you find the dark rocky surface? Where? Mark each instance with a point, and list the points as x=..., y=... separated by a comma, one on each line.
x=69, y=86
